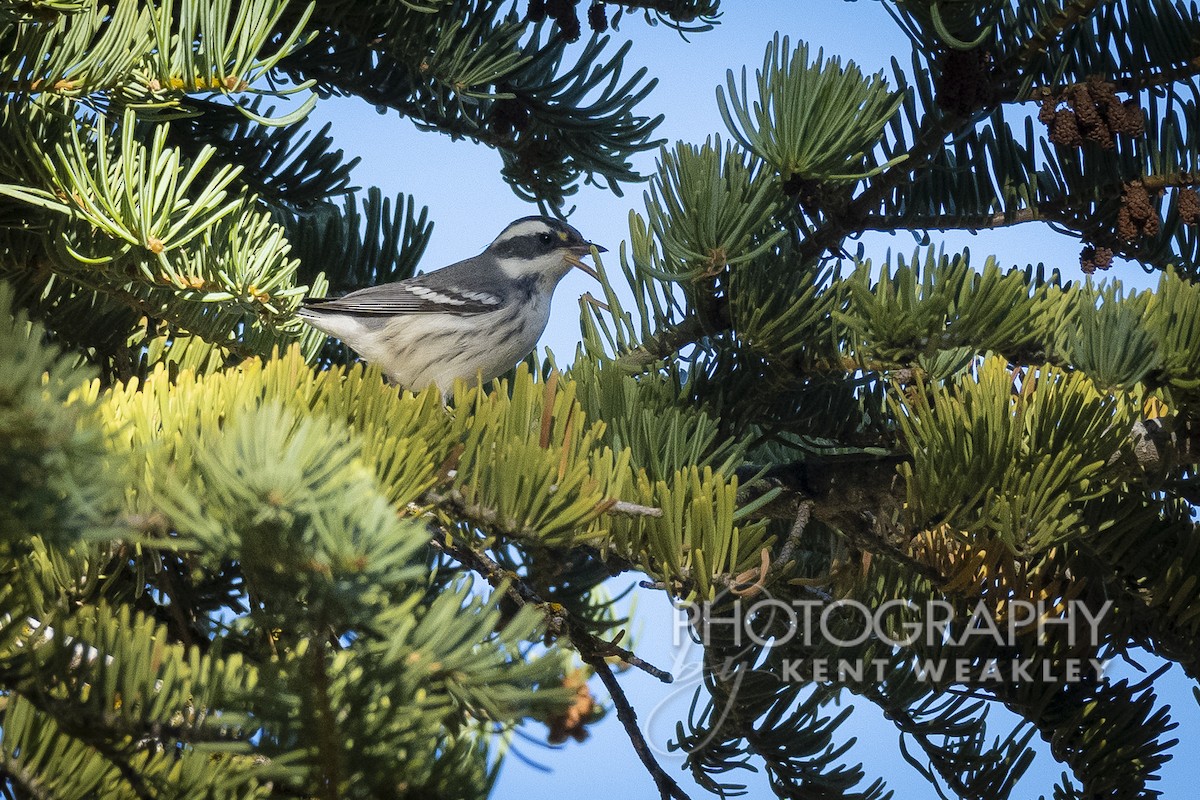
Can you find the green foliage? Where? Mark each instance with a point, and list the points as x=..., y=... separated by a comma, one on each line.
x=288, y=166
x=940, y=303
x=379, y=244
x=961, y=26
x=1108, y=343
x=1137, y=36
x=1171, y=319
x=465, y=60
x=581, y=122
x=128, y=678
x=34, y=744
x=811, y=122
x=233, y=566
x=150, y=56
x=613, y=329
x=645, y=417
x=1008, y=169
x=709, y=208
x=958, y=432
x=795, y=320
x=209, y=215
x=290, y=513
x=697, y=540
x=120, y=222
x=556, y=115
x=1014, y=454
x=58, y=483
x=555, y=474
x=139, y=197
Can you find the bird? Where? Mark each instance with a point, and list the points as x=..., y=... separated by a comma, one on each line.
x=473, y=319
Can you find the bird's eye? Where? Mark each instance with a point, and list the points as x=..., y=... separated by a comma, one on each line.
x=545, y=238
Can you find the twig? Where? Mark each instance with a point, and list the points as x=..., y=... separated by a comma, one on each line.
x=519, y=592
x=803, y=514
x=632, y=509
x=16, y=772
x=480, y=514
x=1071, y=13
x=1132, y=83
x=582, y=267
x=667, y=787
x=488, y=517
x=592, y=649
x=587, y=297
x=665, y=344
x=852, y=494
x=330, y=747
x=928, y=141
x=1056, y=211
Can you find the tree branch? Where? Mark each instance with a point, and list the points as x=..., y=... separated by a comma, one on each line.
x=330, y=748
x=1036, y=45
x=1133, y=83
x=1052, y=211
x=591, y=648
x=667, y=787
x=668, y=342
x=949, y=222
x=803, y=515
x=856, y=498
x=929, y=139
x=30, y=786
x=522, y=594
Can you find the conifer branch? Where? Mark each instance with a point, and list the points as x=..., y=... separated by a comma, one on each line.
x=1071, y=14
x=710, y=317
x=902, y=719
x=667, y=786
x=329, y=752
x=949, y=222
x=929, y=141
x=1050, y=211
x=1147, y=625
x=627, y=509
x=1132, y=84
x=856, y=496
x=933, y=430
x=26, y=780
x=591, y=648
x=803, y=515
x=517, y=590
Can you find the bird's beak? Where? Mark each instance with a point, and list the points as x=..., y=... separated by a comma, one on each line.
x=582, y=250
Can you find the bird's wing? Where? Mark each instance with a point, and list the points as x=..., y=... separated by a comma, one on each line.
x=412, y=296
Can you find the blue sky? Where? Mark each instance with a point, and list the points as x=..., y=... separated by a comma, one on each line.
x=470, y=204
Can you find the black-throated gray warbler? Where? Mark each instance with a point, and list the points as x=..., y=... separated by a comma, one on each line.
x=479, y=316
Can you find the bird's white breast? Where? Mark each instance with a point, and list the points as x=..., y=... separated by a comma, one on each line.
x=415, y=350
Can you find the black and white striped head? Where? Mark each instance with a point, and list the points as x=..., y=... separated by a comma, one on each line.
x=538, y=246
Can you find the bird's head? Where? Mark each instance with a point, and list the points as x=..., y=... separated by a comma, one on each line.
x=540, y=246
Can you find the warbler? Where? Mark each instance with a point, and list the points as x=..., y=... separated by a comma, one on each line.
x=475, y=318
